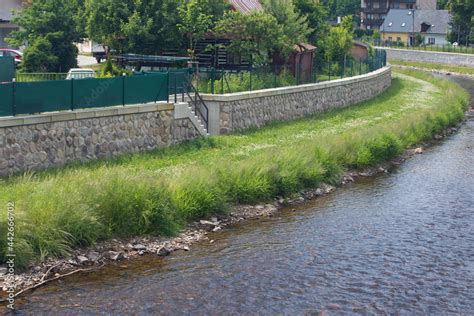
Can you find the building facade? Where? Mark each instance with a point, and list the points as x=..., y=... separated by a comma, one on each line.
x=6, y=15
x=402, y=27
x=373, y=12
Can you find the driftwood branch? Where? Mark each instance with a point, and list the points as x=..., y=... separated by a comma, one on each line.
x=44, y=281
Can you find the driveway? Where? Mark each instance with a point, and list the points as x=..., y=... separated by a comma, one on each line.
x=84, y=60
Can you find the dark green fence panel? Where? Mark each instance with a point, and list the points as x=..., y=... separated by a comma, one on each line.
x=148, y=88
x=6, y=99
x=177, y=81
x=91, y=93
x=7, y=69
x=42, y=96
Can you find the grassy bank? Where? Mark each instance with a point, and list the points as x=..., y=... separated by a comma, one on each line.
x=434, y=66
x=158, y=192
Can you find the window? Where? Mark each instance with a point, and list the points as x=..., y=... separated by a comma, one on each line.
x=399, y=39
x=403, y=24
x=431, y=41
x=389, y=38
x=390, y=24
x=376, y=5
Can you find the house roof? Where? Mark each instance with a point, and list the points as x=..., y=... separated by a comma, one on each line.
x=401, y=21
x=7, y=7
x=246, y=6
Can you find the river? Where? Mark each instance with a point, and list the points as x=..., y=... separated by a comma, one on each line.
x=400, y=243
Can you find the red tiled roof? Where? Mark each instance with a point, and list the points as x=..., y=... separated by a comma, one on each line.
x=246, y=6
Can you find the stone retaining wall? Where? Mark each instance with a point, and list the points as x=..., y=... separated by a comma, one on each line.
x=237, y=111
x=431, y=57
x=53, y=139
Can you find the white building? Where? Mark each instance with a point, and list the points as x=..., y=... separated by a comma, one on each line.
x=6, y=16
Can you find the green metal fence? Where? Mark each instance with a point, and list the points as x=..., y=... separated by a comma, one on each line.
x=58, y=95
x=219, y=81
x=7, y=69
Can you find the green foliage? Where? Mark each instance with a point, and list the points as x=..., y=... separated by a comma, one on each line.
x=348, y=24
x=255, y=35
x=341, y=7
x=50, y=28
x=295, y=26
x=316, y=14
x=110, y=69
x=195, y=23
x=338, y=43
x=462, y=22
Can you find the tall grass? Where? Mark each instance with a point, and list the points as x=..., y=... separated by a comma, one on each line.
x=159, y=192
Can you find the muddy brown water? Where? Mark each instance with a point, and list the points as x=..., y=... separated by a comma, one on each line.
x=401, y=243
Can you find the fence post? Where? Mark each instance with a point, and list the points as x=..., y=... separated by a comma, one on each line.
x=14, y=97
x=212, y=80
x=329, y=70
x=123, y=89
x=175, y=89
x=72, y=94
x=168, y=86
x=222, y=81
x=250, y=77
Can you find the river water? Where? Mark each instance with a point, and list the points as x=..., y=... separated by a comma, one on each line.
x=400, y=243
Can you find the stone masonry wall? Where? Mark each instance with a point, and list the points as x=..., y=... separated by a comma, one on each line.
x=253, y=109
x=431, y=57
x=51, y=140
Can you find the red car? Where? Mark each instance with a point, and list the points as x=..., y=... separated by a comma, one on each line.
x=12, y=53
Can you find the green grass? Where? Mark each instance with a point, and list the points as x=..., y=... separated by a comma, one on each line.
x=160, y=191
x=430, y=66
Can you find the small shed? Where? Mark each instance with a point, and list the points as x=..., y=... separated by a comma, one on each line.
x=300, y=61
x=360, y=50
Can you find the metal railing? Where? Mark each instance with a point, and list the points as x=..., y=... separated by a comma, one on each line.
x=219, y=81
x=446, y=48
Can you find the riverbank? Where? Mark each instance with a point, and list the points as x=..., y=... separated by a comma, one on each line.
x=158, y=193
x=435, y=68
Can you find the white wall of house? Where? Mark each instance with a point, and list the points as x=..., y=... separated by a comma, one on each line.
x=6, y=27
x=439, y=39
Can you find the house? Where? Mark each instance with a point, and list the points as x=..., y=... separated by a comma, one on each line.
x=373, y=12
x=6, y=16
x=403, y=26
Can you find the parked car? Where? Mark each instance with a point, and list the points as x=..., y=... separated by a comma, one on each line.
x=8, y=52
x=80, y=73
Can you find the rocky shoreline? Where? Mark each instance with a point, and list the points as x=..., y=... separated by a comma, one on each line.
x=115, y=250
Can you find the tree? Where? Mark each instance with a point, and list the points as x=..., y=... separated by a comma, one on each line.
x=295, y=25
x=462, y=23
x=195, y=23
x=105, y=19
x=49, y=29
x=256, y=35
x=316, y=14
x=337, y=44
x=348, y=24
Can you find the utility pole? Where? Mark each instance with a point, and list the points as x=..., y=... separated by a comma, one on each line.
x=413, y=28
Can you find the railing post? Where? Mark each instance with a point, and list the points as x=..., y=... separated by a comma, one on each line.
x=72, y=94
x=222, y=81
x=175, y=89
x=250, y=77
x=14, y=97
x=123, y=89
x=212, y=80
x=167, y=87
